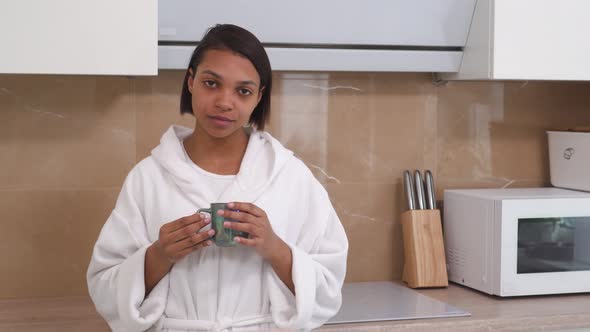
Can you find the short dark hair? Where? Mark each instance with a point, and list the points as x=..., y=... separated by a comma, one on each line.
x=244, y=43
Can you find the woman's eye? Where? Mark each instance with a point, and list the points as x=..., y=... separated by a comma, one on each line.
x=210, y=83
x=245, y=92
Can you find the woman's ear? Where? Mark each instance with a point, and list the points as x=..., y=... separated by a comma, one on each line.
x=190, y=80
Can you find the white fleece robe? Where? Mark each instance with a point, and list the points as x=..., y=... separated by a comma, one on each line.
x=217, y=288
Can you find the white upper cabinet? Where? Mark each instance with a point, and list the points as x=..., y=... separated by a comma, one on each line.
x=106, y=37
x=528, y=40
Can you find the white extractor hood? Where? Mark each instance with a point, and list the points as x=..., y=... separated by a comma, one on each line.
x=328, y=35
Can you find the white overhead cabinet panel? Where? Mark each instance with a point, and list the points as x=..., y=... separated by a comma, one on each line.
x=327, y=35
x=528, y=40
x=106, y=37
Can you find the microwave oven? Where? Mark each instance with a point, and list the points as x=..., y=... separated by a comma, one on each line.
x=514, y=242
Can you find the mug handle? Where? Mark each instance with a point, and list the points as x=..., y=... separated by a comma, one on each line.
x=204, y=210
x=207, y=210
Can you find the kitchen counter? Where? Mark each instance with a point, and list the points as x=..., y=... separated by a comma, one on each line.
x=491, y=313
x=488, y=313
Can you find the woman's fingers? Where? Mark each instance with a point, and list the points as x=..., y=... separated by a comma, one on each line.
x=195, y=239
x=245, y=242
x=181, y=236
x=238, y=226
x=247, y=207
x=239, y=216
x=188, y=230
x=181, y=222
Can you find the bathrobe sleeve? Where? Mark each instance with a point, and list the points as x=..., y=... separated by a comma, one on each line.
x=319, y=266
x=116, y=273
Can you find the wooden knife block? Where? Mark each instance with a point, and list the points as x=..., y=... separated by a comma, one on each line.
x=424, y=252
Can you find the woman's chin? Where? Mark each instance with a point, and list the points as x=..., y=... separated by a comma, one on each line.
x=223, y=132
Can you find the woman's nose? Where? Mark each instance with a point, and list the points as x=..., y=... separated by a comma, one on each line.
x=224, y=101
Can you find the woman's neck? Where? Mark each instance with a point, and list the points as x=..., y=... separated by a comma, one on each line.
x=217, y=155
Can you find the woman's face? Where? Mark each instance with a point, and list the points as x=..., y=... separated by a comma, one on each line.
x=225, y=90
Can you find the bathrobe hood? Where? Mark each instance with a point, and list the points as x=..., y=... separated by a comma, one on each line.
x=263, y=160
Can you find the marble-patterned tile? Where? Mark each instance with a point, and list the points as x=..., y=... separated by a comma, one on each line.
x=363, y=127
x=303, y=92
x=370, y=214
x=548, y=104
x=367, y=203
x=306, y=137
x=65, y=131
x=495, y=132
x=465, y=111
x=158, y=107
x=67, y=142
x=531, y=108
x=50, y=235
x=375, y=252
x=299, y=118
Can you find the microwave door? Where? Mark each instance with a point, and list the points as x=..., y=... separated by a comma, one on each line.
x=553, y=245
x=545, y=246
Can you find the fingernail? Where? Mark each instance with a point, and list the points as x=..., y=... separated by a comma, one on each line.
x=207, y=220
x=231, y=205
x=226, y=224
x=237, y=239
x=209, y=243
x=211, y=232
x=219, y=212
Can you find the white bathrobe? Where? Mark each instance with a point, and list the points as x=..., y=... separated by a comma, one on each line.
x=216, y=288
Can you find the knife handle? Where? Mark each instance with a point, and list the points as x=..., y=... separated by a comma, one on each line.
x=409, y=190
x=430, y=193
x=419, y=184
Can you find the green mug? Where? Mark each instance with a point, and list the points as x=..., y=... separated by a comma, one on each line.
x=224, y=237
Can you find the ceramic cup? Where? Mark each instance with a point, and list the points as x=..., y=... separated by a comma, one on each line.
x=224, y=237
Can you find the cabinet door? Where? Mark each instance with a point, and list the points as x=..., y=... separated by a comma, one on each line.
x=541, y=39
x=106, y=37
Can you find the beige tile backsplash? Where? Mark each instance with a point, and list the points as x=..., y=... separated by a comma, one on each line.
x=67, y=142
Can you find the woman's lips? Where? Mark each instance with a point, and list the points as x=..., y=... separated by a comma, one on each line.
x=221, y=120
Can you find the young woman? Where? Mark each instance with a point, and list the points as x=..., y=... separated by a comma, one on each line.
x=154, y=266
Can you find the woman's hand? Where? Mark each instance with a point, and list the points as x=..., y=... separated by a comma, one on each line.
x=176, y=240
x=254, y=221
x=181, y=237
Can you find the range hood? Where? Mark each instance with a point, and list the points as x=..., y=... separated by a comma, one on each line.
x=327, y=35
